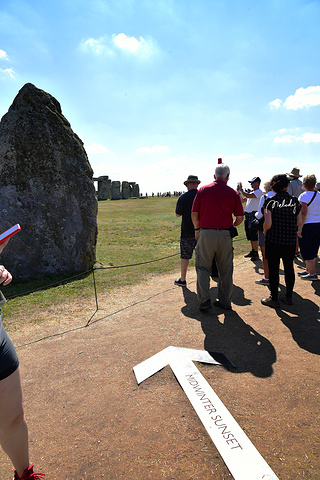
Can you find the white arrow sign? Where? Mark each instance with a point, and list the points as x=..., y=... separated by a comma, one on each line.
x=240, y=455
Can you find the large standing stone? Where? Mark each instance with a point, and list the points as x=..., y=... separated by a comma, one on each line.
x=131, y=186
x=125, y=190
x=45, y=185
x=134, y=190
x=115, y=190
x=104, y=188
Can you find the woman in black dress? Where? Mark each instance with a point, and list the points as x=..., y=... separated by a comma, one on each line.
x=282, y=218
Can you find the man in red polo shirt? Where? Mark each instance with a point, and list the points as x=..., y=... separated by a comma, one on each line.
x=212, y=215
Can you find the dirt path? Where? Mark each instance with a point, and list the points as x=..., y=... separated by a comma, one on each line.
x=88, y=419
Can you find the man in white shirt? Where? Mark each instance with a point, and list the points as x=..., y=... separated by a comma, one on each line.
x=249, y=212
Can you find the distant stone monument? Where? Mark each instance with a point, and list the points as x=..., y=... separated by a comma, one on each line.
x=104, y=188
x=115, y=190
x=135, y=191
x=125, y=190
x=46, y=186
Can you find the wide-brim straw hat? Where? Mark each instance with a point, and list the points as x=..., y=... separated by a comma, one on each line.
x=295, y=172
x=192, y=179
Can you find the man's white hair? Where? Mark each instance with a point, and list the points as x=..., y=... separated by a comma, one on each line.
x=222, y=170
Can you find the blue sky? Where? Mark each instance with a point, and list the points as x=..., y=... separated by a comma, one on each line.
x=159, y=89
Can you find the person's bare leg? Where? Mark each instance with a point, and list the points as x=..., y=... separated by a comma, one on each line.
x=311, y=266
x=184, y=268
x=13, y=427
x=254, y=245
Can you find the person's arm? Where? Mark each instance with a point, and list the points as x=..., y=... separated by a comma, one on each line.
x=238, y=220
x=238, y=212
x=5, y=276
x=304, y=211
x=299, y=221
x=195, y=221
x=179, y=207
x=245, y=194
x=267, y=220
x=248, y=195
x=301, y=217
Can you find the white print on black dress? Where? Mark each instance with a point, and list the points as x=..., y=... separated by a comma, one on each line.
x=275, y=203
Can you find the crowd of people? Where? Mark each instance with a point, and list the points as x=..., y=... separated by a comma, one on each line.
x=284, y=221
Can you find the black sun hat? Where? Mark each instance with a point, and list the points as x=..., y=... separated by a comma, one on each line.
x=192, y=179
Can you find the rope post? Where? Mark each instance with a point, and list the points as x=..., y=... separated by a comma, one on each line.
x=95, y=289
x=96, y=297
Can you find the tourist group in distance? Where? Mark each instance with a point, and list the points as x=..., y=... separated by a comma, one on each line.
x=283, y=220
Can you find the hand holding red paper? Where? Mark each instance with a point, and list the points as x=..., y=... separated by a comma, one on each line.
x=8, y=233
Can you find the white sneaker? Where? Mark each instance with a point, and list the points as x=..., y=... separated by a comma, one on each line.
x=303, y=272
x=309, y=277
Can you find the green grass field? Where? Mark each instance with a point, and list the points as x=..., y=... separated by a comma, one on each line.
x=130, y=232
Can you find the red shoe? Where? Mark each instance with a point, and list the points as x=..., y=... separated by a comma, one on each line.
x=28, y=474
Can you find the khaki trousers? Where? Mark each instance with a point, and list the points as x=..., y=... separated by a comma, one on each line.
x=216, y=244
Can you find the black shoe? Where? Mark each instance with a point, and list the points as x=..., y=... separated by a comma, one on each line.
x=249, y=255
x=205, y=305
x=255, y=256
x=262, y=281
x=217, y=303
x=181, y=283
x=286, y=300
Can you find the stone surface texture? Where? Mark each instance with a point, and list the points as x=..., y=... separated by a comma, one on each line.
x=116, y=190
x=46, y=185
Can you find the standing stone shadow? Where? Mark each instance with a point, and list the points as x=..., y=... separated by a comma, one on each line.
x=239, y=342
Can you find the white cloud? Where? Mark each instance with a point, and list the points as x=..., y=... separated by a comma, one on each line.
x=303, y=98
x=127, y=43
x=305, y=138
x=133, y=45
x=285, y=139
x=3, y=55
x=154, y=149
x=97, y=148
x=8, y=72
x=97, y=47
x=121, y=42
x=310, y=137
x=275, y=104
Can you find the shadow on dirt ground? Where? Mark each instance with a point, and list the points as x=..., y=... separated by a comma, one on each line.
x=88, y=419
x=246, y=348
